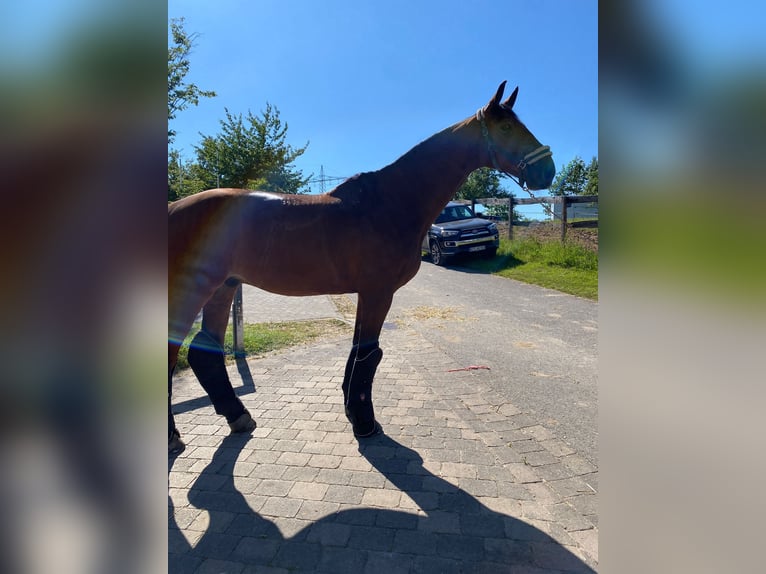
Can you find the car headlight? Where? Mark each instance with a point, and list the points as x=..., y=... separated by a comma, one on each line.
x=492, y=228
x=449, y=233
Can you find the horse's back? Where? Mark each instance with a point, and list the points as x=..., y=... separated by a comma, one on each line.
x=204, y=198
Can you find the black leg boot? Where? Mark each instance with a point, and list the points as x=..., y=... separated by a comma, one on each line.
x=175, y=444
x=357, y=389
x=207, y=361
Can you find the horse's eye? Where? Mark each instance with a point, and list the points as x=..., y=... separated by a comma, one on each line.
x=506, y=127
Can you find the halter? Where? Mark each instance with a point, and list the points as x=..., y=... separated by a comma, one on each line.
x=532, y=157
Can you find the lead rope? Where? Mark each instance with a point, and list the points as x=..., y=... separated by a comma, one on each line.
x=532, y=157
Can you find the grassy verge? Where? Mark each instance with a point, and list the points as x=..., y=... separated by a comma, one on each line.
x=264, y=337
x=565, y=267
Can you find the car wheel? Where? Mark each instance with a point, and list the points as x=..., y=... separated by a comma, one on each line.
x=437, y=257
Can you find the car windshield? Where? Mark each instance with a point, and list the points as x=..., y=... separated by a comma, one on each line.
x=454, y=213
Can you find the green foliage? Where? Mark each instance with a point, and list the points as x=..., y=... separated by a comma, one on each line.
x=282, y=179
x=184, y=178
x=485, y=182
x=575, y=178
x=262, y=338
x=591, y=187
x=248, y=151
x=180, y=94
x=555, y=254
x=175, y=175
x=571, y=179
x=500, y=211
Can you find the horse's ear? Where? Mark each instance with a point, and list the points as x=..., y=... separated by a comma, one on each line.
x=511, y=99
x=495, y=101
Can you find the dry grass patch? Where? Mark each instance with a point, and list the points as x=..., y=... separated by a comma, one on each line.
x=429, y=313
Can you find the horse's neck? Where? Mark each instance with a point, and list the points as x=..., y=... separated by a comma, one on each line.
x=428, y=175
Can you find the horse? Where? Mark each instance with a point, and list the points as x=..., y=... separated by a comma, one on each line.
x=362, y=237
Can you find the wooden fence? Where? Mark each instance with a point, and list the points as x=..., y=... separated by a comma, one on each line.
x=563, y=200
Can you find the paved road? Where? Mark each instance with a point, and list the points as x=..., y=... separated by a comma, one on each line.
x=259, y=306
x=540, y=344
x=464, y=479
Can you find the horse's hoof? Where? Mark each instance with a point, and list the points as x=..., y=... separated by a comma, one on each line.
x=244, y=423
x=376, y=430
x=175, y=444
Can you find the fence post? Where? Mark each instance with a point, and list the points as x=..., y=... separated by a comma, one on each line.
x=510, y=217
x=238, y=324
x=563, y=199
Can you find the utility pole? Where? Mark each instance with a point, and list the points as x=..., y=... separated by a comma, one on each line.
x=321, y=179
x=238, y=326
x=324, y=179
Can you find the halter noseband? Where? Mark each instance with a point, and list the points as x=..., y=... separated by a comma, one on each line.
x=532, y=157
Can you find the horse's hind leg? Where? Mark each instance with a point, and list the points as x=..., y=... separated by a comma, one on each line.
x=206, y=358
x=362, y=363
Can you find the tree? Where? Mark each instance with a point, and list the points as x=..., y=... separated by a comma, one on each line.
x=181, y=95
x=183, y=177
x=283, y=179
x=591, y=188
x=248, y=153
x=573, y=178
x=175, y=175
x=485, y=182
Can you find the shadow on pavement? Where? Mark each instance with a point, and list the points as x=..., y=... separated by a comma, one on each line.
x=243, y=369
x=247, y=387
x=465, y=263
x=456, y=533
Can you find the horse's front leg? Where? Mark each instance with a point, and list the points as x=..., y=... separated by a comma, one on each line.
x=206, y=358
x=363, y=361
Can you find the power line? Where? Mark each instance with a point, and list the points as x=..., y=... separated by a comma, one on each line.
x=322, y=180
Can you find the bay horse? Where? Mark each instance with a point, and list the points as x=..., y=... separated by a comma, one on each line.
x=362, y=237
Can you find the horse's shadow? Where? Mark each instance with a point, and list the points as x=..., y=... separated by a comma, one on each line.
x=454, y=533
x=247, y=387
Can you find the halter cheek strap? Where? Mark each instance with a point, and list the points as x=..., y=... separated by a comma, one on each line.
x=532, y=157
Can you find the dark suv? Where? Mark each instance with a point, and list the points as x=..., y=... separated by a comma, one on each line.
x=458, y=230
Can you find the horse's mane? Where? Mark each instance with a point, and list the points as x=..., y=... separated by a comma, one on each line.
x=368, y=183
x=357, y=188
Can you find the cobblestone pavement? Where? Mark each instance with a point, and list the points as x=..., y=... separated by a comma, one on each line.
x=259, y=306
x=457, y=483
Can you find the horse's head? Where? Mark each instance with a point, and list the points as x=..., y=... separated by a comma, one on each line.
x=512, y=147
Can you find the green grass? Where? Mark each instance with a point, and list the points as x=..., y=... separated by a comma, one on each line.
x=566, y=267
x=262, y=338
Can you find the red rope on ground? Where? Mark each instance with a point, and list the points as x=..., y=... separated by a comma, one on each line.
x=469, y=368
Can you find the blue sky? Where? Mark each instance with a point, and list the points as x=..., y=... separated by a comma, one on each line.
x=364, y=81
